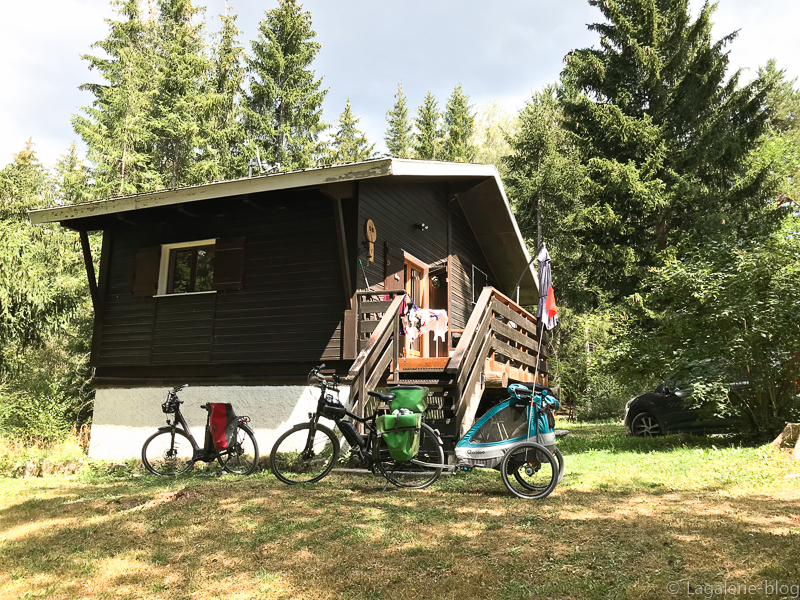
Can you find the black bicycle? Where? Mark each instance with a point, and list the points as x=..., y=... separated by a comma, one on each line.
x=173, y=451
x=308, y=451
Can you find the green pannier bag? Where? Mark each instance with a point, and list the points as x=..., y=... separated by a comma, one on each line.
x=401, y=434
x=410, y=397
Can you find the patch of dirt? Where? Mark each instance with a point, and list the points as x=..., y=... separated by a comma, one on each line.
x=179, y=497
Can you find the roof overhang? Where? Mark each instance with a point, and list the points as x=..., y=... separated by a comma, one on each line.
x=485, y=206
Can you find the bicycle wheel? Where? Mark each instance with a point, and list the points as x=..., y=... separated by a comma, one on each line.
x=241, y=457
x=412, y=474
x=168, y=453
x=559, y=459
x=534, y=468
x=302, y=457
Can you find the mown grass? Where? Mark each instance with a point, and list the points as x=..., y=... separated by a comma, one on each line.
x=629, y=517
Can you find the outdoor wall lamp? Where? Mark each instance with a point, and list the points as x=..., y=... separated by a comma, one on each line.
x=420, y=226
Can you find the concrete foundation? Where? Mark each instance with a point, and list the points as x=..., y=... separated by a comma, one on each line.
x=125, y=417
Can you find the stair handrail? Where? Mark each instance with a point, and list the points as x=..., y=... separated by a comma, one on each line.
x=480, y=339
x=381, y=351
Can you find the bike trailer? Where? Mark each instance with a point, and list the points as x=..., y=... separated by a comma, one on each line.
x=222, y=427
x=507, y=424
x=410, y=397
x=401, y=432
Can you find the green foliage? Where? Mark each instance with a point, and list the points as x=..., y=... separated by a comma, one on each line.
x=663, y=135
x=349, y=144
x=72, y=184
x=283, y=110
x=459, y=122
x=180, y=96
x=546, y=183
x=428, y=138
x=724, y=316
x=398, y=135
x=581, y=348
x=226, y=137
x=45, y=314
x=116, y=127
x=493, y=129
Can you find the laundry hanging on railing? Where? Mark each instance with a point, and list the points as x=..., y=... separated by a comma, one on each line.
x=420, y=321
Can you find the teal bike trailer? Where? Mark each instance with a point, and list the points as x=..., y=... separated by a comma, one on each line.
x=517, y=437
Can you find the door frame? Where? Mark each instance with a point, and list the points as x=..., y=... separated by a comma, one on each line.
x=415, y=263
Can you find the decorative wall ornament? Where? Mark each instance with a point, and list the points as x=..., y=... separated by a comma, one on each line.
x=372, y=235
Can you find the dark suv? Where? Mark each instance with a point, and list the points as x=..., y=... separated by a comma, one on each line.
x=665, y=410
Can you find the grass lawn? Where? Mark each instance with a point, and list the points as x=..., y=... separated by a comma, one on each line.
x=630, y=517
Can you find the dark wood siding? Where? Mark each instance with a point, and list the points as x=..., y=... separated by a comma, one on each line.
x=396, y=209
x=465, y=253
x=289, y=308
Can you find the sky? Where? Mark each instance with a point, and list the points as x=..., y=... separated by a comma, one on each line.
x=498, y=50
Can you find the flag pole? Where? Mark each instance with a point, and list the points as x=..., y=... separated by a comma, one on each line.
x=535, y=378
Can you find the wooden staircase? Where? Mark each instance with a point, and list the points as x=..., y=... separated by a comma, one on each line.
x=500, y=338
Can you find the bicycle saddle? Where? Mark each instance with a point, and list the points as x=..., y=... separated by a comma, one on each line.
x=383, y=397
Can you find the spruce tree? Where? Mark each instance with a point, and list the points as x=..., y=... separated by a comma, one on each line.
x=116, y=127
x=398, y=136
x=546, y=183
x=428, y=139
x=181, y=96
x=349, y=144
x=665, y=136
x=459, y=121
x=225, y=131
x=283, y=109
x=71, y=179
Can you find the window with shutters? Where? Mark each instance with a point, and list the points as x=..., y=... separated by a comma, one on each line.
x=196, y=267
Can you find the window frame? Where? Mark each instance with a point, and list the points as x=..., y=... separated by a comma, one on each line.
x=485, y=276
x=164, y=270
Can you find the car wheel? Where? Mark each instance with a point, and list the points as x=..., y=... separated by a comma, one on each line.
x=645, y=425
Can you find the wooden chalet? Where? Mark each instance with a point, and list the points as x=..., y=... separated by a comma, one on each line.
x=238, y=288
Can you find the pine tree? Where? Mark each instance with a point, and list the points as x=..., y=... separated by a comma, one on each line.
x=116, y=127
x=225, y=132
x=428, y=139
x=459, y=121
x=181, y=96
x=283, y=114
x=349, y=144
x=665, y=137
x=493, y=128
x=398, y=136
x=71, y=179
x=546, y=183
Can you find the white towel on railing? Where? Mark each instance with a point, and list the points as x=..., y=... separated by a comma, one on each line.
x=422, y=320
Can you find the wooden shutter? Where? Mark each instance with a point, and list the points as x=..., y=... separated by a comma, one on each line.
x=145, y=271
x=229, y=264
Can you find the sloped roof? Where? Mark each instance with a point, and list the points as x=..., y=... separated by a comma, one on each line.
x=484, y=203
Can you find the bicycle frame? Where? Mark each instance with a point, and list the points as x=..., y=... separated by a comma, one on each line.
x=355, y=439
x=179, y=422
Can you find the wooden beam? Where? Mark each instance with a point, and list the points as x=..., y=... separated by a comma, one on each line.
x=343, y=258
x=87, y=261
x=97, y=329
x=341, y=190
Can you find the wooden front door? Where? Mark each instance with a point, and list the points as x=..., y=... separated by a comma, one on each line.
x=416, y=275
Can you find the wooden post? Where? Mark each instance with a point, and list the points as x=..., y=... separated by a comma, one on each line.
x=396, y=349
x=87, y=260
x=496, y=379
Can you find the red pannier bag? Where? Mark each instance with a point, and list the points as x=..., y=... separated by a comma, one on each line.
x=222, y=426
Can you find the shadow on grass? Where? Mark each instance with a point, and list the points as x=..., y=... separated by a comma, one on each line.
x=343, y=538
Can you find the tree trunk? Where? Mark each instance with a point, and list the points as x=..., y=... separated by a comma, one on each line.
x=789, y=438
